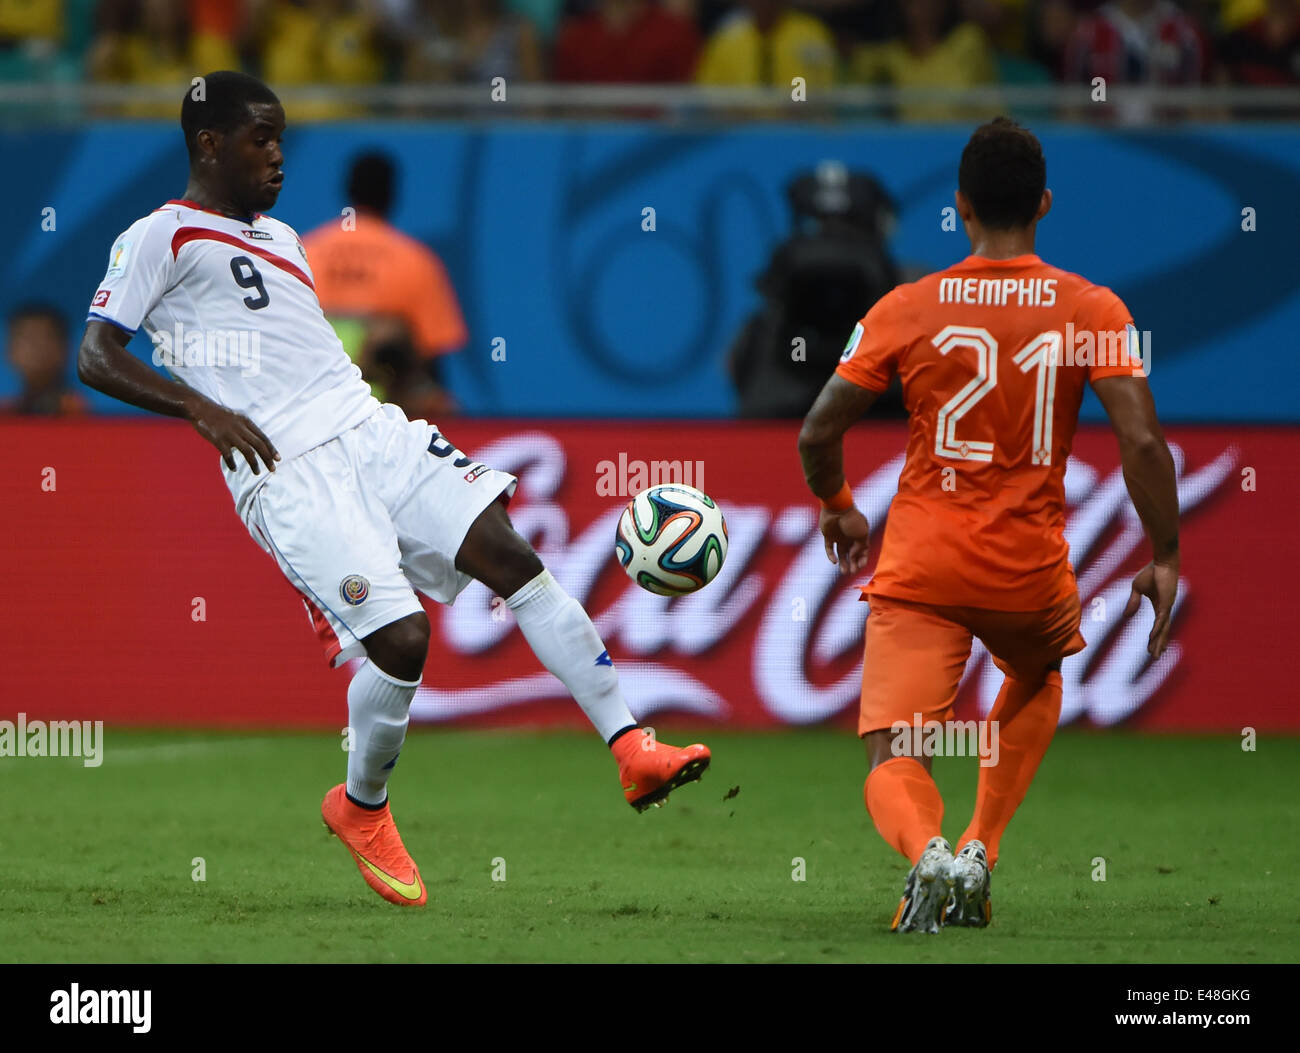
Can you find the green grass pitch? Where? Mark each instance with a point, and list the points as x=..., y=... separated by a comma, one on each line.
x=1198, y=839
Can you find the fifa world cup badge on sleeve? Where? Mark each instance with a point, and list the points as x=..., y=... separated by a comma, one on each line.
x=117, y=259
x=851, y=347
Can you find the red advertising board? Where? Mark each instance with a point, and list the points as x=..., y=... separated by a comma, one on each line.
x=134, y=594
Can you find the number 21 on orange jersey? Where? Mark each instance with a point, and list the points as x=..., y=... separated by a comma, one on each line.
x=1042, y=354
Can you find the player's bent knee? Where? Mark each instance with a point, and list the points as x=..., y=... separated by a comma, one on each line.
x=399, y=648
x=1033, y=680
x=496, y=554
x=878, y=745
x=887, y=744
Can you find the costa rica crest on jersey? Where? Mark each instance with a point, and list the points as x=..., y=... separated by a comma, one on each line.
x=354, y=589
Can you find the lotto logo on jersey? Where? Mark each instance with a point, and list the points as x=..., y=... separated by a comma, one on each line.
x=257, y=235
x=101, y=298
x=475, y=472
x=354, y=590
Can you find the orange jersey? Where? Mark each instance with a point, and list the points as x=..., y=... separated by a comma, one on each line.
x=375, y=269
x=993, y=356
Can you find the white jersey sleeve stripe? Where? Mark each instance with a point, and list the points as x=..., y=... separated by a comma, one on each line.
x=96, y=316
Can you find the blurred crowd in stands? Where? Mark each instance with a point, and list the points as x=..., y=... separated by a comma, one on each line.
x=952, y=44
x=927, y=43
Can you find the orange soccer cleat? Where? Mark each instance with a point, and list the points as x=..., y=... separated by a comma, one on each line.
x=650, y=770
x=371, y=836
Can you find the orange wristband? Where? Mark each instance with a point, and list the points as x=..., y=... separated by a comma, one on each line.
x=840, y=502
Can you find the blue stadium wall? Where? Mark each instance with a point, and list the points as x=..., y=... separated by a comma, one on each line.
x=540, y=228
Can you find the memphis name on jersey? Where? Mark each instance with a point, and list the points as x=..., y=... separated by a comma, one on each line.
x=999, y=292
x=194, y=279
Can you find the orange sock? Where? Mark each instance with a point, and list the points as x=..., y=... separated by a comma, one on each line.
x=905, y=805
x=1027, y=718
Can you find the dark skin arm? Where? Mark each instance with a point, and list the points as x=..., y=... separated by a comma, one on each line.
x=1153, y=488
x=104, y=363
x=840, y=405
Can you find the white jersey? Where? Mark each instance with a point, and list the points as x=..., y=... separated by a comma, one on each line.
x=232, y=312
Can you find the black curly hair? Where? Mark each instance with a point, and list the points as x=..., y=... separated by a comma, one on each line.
x=227, y=95
x=1003, y=173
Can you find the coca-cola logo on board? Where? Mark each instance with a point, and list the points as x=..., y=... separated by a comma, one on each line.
x=810, y=623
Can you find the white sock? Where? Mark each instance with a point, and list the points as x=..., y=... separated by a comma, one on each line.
x=562, y=636
x=378, y=711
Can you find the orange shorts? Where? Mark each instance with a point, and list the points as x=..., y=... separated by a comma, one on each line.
x=916, y=653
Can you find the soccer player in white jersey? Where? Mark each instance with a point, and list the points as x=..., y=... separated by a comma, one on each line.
x=357, y=505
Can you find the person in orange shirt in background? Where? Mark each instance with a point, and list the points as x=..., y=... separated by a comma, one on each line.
x=993, y=355
x=387, y=295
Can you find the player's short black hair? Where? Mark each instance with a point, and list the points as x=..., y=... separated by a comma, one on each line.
x=1003, y=173
x=370, y=182
x=223, y=106
x=40, y=309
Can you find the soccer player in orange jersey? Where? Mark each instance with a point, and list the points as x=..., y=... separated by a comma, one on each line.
x=993, y=354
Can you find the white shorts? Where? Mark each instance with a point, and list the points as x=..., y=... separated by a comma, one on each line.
x=359, y=522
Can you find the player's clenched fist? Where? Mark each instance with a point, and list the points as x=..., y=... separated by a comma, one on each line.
x=848, y=534
x=229, y=431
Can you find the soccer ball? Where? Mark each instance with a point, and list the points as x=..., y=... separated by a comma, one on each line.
x=671, y=539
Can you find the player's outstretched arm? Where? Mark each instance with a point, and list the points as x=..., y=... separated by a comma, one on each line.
x=1153, y=488
x=104, y=363
x=840, y=405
